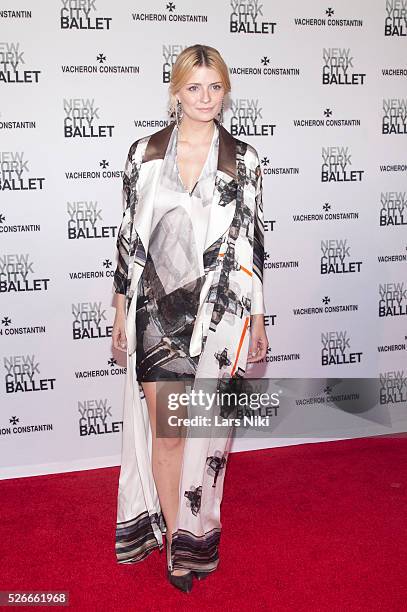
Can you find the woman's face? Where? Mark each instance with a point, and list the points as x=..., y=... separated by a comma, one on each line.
x=201, y=96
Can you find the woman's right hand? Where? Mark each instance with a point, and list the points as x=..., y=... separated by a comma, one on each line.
x=119, y=331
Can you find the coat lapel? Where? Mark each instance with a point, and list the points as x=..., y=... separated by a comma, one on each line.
x=224, y=197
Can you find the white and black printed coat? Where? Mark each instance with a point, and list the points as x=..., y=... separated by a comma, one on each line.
x=231, y=292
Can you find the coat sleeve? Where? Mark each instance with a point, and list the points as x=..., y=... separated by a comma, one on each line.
x=257, y=305
x=124, y=232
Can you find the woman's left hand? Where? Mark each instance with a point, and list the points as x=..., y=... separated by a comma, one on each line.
x=258, y=339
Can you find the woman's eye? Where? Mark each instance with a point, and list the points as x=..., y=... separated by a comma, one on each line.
x=195, y=87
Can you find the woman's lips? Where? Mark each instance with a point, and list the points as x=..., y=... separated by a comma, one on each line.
x=205, y=110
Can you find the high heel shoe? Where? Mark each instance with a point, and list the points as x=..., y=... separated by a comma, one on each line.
x=183, y=582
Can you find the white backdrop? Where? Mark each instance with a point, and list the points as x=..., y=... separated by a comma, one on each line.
x=319, y=91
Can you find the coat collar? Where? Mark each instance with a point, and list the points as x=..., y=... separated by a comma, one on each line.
x=158, y=142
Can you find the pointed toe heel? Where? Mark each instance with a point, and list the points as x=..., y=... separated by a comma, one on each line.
x=184, y=583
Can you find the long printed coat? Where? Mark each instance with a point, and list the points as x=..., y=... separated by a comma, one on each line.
x=234, y=257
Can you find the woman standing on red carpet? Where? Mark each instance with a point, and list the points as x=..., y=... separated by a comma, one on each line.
x=189, y=285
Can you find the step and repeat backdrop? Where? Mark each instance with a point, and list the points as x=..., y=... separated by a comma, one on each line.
x=319, y=90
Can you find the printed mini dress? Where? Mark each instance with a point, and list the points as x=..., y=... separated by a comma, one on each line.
x=169, y=287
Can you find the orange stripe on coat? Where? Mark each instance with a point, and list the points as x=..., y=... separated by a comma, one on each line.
x=246, y=323
x=241, y=267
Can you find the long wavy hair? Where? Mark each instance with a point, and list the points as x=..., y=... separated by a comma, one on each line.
x=190, y=58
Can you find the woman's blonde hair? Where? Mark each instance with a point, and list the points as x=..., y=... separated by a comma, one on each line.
x=193, y=57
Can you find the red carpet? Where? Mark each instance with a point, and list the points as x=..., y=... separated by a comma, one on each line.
x=309, y=527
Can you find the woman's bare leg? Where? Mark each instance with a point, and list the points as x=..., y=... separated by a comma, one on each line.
x=167, y=452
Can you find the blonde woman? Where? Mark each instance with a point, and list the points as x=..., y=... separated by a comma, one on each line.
x=189, y=285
